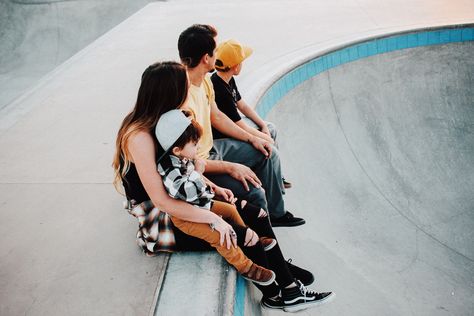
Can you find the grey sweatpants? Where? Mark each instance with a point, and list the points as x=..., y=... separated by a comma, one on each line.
x=267, y=170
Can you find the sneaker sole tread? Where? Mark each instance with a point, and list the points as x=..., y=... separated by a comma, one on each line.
x=308, y=304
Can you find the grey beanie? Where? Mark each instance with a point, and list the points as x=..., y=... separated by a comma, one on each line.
x=170, y=127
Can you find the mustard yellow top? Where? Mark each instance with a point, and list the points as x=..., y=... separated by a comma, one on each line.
x=200, y=100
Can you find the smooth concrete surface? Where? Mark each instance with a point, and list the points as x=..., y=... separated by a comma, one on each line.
x=64, y=234
x=204, y=282
x=381, y=154
x=38, y=35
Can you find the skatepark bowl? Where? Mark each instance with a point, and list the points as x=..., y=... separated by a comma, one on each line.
x=382, y=153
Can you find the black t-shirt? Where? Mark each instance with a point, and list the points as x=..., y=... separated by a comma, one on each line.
x=134, y=189
x=133, y=186
x=227, y=96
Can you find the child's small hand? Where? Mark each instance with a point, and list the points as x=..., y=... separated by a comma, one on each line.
x=225, y=194
x=200, y=165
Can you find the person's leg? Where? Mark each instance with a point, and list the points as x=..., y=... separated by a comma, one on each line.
x=273, y=258
x=267, y=170
x=185, y=242
x=244, y=236
x=258, y=255
x=251, y=215
x=273, y=133
x=234, y=255
x=228, y=212
x=255, y=253
x=294, y=295
x=255, y=195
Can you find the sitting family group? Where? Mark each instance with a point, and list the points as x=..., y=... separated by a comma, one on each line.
x=199, y=176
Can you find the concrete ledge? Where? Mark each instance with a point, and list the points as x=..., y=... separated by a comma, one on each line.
x=203, y=283
x=192, y=283
x=66, y=246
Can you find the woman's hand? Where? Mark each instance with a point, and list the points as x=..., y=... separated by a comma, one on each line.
x=226, y=231
x=224, y=194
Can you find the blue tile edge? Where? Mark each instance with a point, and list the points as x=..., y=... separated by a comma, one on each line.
x=239, y=304
x=354, y=52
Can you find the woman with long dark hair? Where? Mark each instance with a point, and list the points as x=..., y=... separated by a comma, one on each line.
x=164, y=87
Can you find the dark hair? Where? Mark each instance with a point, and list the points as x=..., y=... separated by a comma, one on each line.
x=220, y=66
x=164, y=87
x=195, y=42
x=192, y=133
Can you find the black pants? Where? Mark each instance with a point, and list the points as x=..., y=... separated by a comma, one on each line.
x=272, y=259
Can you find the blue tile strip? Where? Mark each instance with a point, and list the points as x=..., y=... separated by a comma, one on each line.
x=239, y=306
x=358, y=51
x=346, y=55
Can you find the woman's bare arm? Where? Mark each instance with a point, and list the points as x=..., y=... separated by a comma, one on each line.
x=142, y=149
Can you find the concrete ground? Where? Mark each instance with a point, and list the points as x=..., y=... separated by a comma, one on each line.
x=385, y=177
x=67, y=246
x=36, y=36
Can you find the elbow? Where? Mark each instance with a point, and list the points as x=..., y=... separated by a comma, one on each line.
x=164, y=204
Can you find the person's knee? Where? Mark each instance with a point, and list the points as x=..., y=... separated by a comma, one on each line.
x=258, y=212
x=275, y=153
x=241, y=152
x=272, y=129
x=257, y=197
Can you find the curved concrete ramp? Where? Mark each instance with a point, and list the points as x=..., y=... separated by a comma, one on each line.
x=381, y=152
x=36, y=36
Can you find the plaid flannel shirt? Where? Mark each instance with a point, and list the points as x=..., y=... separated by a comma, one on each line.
x=182, y=182
x=155, y=229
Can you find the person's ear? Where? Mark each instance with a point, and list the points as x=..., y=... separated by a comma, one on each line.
x=176, y=151
x=205, y=59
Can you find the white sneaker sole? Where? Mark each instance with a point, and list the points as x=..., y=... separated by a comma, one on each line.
x=265, y=306
x=308, y=304
x=270, y=246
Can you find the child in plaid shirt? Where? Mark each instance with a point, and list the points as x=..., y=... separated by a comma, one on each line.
x=182, y=174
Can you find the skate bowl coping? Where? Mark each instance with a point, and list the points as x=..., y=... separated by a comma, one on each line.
x=382, y=153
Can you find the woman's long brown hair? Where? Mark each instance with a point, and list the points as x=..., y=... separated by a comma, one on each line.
x=164, y=87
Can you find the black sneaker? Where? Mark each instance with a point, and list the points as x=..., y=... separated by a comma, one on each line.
x=301, y=274
x=272, y=303
x=287, y=220
x=299, y=298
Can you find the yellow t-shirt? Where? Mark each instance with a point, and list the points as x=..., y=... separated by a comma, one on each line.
x=200, y=100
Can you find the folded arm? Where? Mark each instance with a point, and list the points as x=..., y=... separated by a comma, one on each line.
x=253, y=115
x=225, y=125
